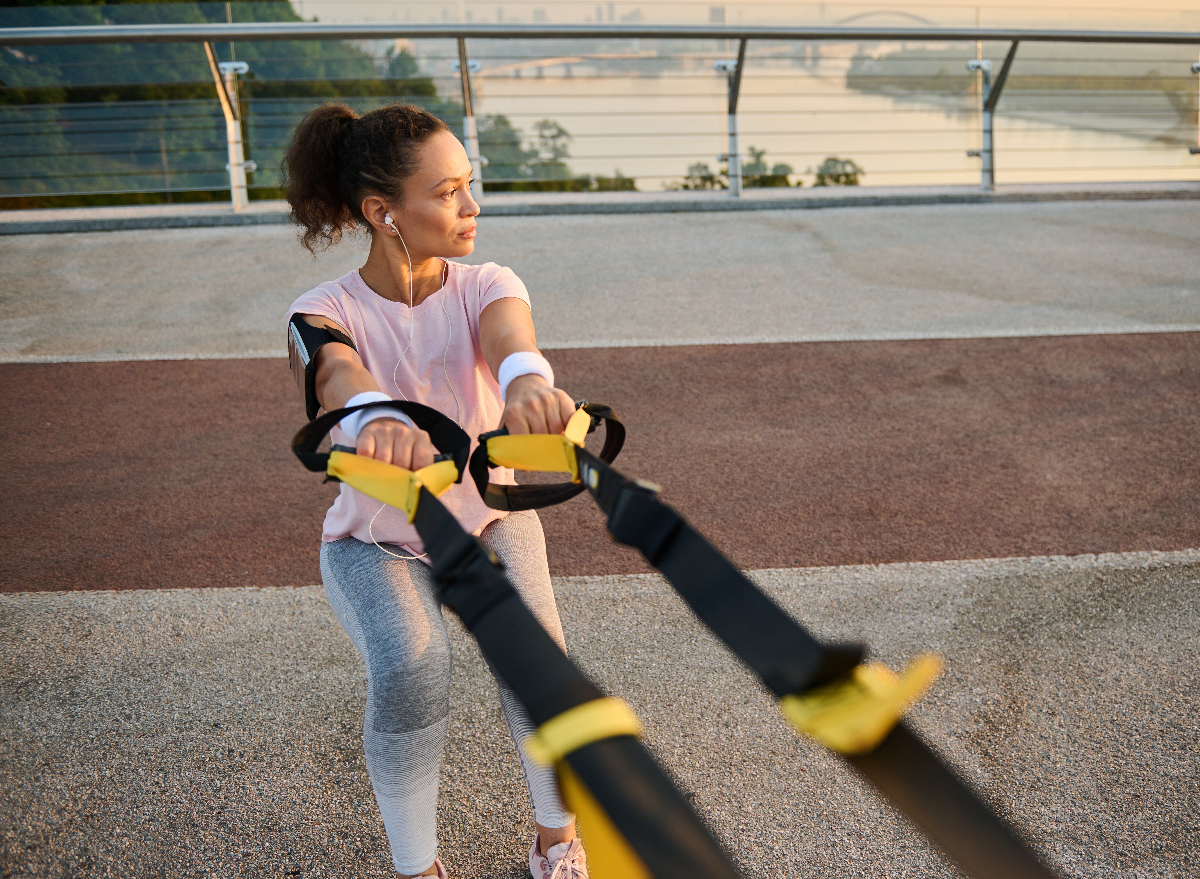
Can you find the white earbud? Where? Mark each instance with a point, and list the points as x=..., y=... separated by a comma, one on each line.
x=387, y=221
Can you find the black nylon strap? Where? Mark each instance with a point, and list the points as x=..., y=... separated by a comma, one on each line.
x=535, y=497
x=782, y=653
x=447, y=437
x=473, y=584
x=633, y=790
x=916, y=781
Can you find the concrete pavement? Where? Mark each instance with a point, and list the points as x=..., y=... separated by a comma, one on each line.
x=526, y=204
x=217, y=732
x=775, y=276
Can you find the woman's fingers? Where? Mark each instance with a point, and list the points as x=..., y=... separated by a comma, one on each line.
x=535, y=407
x=394, y=442
x=422, y=450
x=566, y=408
x=365, y=444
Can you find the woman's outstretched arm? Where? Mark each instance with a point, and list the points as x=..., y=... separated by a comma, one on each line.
x=340, y=376
x=532, y=404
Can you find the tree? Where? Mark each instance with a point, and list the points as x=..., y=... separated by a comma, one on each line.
x=838, y=172
x=402, y=65
x=500, y=144
x=617, y=183
x=700, y=176
x=755, y=174
x=552, y=146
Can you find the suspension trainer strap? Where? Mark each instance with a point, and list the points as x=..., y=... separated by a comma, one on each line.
x=447, y=437
x=777, y=648
x=388, y=483
x=542, y=453
x=825, y=691
x=639, y=826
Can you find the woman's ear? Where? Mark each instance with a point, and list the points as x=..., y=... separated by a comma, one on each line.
x=375, y=209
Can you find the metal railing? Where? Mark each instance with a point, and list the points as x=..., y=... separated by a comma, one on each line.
x=225, y=74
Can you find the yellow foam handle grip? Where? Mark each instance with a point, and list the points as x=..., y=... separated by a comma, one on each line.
x=388, y=483
x=610, y=855
x=542, y=452
x=577, y=428
x=853, y=714
x=599, y=719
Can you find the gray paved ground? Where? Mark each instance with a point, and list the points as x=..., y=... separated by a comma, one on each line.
x=216, y=732
x=916, y=272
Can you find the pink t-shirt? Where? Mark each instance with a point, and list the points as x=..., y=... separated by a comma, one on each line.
x=442, y=366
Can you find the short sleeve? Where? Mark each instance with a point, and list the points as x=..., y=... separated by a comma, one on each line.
x=501, y=283
x=322, y=302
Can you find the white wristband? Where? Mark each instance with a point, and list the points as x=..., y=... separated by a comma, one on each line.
x=522, y=363
x=356, y=421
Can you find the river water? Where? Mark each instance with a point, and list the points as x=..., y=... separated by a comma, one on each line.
x=651, y=109
x=654, y=127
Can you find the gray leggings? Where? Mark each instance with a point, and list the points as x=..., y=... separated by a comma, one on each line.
x=389, y=609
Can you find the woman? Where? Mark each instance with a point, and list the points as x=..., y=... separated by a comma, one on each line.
x=411, y=324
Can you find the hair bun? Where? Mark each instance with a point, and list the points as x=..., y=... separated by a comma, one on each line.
x=336, y=158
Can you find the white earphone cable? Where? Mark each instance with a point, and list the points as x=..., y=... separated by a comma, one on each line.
x=387, y=219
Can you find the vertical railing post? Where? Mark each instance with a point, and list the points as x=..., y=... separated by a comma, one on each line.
x=991, y=95
x=734, y=156
x=225, y=76
x=987, y=177
x=233, y=136
x=470, y=131
x=1195, y=151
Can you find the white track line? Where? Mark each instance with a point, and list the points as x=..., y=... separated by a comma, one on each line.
x=650, y=342
x=957, y=568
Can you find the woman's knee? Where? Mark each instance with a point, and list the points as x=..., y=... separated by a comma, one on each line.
x=519, y=542
x=409, y=683
x=390, y=611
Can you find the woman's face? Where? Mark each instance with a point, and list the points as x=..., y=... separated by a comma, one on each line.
x=437, y=217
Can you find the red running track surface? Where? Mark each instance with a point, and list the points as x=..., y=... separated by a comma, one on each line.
x=164, y=474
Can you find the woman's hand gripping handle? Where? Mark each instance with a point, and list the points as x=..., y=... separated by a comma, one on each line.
x=534, y=405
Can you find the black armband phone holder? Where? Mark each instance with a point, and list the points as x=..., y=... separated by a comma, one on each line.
x=304, y=340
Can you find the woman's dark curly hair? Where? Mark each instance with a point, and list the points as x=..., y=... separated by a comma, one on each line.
x=337, y=158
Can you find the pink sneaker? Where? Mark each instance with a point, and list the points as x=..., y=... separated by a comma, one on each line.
x=566, y=861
